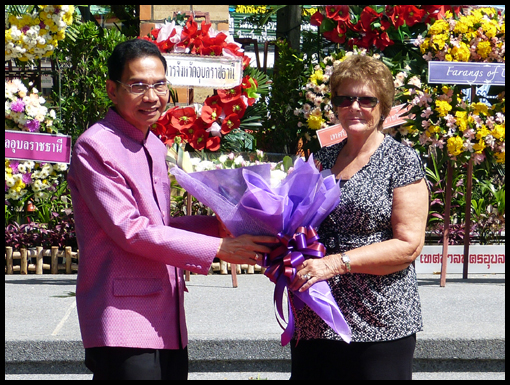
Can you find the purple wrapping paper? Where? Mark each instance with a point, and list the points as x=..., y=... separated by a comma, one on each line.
x=247, y=204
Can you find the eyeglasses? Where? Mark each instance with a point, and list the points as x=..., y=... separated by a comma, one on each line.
x=160, y=88
x=346, y=101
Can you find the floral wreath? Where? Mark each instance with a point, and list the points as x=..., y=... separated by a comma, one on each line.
x=202, y=127
x=442, y=119
x=36, y=33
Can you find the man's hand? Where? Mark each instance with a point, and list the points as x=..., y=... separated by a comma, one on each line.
x=245, y=249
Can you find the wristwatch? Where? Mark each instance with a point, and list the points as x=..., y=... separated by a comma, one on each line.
x=347, y=261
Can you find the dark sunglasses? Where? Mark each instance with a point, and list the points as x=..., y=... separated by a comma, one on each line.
x=363, y=101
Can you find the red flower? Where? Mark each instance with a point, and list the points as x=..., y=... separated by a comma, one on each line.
x=214, y=50
x=210, y=112
x=213, y=143
x=229, y=123
x=368, y=15
x=337, y=35
x=412, y=15
x=246, y=82
x=231, y=94
x=316, y=19
x=201, y=140
x=436, y=12
x=337, y=12
x=237, y=106
x=183, y=118
x=383, y=41
x=158, y=129
x=394, y=13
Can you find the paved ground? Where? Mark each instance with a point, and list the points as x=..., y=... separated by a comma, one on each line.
x=234, y=335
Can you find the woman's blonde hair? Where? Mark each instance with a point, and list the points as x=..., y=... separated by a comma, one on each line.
x=370, y=71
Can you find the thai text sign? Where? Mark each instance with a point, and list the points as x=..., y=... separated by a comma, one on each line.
x=331, y=135
x=335, y=134
x=204, y=71
x=50, y=148
x=446, y=72
x=482, y=259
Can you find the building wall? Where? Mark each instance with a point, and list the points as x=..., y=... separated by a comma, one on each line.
x=218, y=16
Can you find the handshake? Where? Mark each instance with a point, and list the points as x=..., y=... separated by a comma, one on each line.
x=245, y=249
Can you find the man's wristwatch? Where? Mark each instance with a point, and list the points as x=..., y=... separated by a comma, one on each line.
x=346, y=261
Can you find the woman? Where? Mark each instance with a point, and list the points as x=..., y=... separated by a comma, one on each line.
x=372, y=238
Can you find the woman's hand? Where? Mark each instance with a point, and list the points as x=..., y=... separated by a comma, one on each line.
x=315, y=270
x=245, y=249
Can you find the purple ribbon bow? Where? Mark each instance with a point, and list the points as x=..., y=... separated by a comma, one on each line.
x=281, y=266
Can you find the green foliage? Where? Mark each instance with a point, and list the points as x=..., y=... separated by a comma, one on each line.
x=487, y=202
x=81, y=63
x=280, y=132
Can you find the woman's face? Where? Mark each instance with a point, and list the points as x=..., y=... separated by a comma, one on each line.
x=358, y=118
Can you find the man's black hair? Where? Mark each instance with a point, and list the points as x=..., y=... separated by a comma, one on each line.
x=127, y=51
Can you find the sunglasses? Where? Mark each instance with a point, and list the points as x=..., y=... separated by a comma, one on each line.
x=363, y=101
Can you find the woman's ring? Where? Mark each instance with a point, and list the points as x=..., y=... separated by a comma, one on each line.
x=306, y=276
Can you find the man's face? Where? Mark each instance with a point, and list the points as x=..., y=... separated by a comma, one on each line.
x=140, y=110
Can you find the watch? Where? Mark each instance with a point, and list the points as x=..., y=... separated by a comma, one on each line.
x=347, y=261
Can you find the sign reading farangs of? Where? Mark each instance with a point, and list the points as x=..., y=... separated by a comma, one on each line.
x=217, y=72
x=39, y=147
x=447, y=72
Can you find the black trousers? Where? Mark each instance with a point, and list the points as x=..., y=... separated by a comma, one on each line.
x=114, y=363
x=337, y=360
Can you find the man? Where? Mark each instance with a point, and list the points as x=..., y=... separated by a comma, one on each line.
x=130, y=286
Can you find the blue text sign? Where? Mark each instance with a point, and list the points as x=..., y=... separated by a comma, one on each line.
x=445, y=72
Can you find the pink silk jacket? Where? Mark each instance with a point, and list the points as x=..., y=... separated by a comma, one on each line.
x=130, y=286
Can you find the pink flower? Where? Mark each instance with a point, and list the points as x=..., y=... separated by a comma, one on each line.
x=18, y=105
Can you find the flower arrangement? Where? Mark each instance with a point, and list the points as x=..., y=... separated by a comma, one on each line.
x=25, y=110
x=202, y=127
x=32, y=178
x=36, y=33
x=375, y=26
x=476, y=35
x=444, y=120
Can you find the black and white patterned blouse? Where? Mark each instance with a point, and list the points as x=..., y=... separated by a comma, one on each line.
x=377, y=308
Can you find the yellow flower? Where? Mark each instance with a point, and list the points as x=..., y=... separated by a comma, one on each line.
x=479, y=147
x=315, y=122
x=480, y=108
x=482, y=132
x=439, y=41
x=455, y=145
x=498, y=132
x=462, y=120
x=317, y=77
x=438, y=27
x=461, y=53
x=425, y=45
x=484, y=49
x=461, y=26
x=500, y=157
x=443, y=107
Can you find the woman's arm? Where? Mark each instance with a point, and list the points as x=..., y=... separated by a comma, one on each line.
x=408, y=221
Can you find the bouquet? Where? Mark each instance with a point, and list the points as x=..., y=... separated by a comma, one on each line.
x=247, y=204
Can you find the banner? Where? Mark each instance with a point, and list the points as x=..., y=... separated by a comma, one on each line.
x=482, y=259
x=52, y=148
x=446, y=72
x=218, y=72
